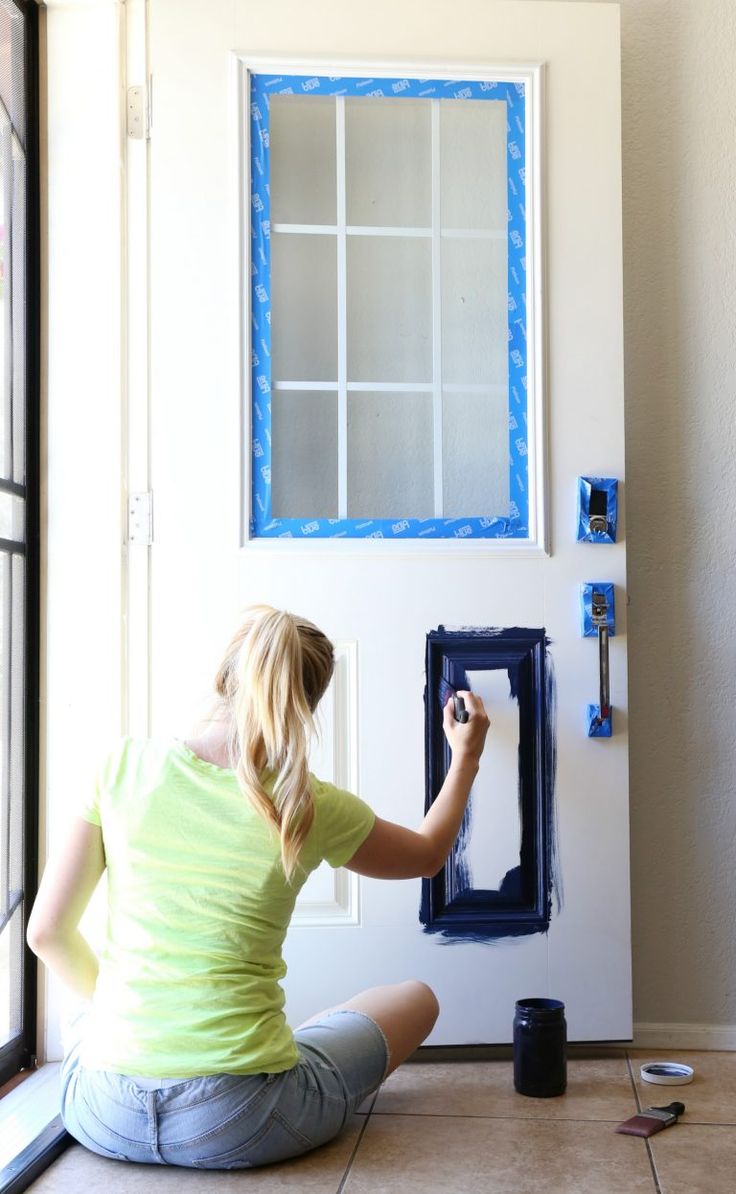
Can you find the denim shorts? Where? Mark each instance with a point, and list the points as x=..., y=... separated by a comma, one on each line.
x=229, y=1121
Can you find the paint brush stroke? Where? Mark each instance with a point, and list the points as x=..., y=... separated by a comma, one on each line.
x=523, y=904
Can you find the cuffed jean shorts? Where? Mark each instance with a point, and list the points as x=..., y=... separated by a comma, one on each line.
x=229, y=1121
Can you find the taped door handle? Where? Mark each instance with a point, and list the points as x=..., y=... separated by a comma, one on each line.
x=605, y=685
x=598, y=619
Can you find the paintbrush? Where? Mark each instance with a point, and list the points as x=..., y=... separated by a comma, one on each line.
x=458, y=707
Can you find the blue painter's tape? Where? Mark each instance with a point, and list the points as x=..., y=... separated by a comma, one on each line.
x=597, y=726
x=374, y=528
x=588, y=629
x=512, y=524
x=602, y=494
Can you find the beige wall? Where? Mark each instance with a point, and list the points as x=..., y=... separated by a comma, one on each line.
x=679, y=162
x=679, y=191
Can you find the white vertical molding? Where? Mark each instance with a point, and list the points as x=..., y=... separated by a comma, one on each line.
x=342, y=319
x=537, y=357
x=136, y=408
x=84, y=577
x=436, y=311
x=342, y=908
x=346, y=715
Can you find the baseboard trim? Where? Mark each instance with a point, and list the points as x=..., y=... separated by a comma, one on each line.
x=685, y=1036
x=575, y=1049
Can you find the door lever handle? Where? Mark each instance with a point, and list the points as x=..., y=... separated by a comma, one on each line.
x=605, y=681
x=599, y=620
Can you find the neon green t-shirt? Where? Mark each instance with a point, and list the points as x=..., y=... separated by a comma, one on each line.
x=198, y=908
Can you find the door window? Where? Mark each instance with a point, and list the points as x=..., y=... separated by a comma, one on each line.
x=389, y=308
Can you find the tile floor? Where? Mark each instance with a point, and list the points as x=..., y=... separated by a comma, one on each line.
x=460, y=1128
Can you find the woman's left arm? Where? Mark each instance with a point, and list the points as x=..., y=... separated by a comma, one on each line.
x=69, y=880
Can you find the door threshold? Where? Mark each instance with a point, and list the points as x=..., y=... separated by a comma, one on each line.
x=31, y=1130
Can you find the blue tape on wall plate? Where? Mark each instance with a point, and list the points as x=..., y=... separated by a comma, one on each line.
x=587, y=627
x=597, y=497
x=262, y=524
x=597, y=726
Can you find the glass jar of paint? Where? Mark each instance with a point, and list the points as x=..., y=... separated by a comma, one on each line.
x=540, y=1048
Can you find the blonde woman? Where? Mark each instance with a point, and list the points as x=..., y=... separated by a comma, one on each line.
x=185, y=1056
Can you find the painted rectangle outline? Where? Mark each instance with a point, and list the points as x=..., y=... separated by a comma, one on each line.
x=488, y=914
x=532, y=76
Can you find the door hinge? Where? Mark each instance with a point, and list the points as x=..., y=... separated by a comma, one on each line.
x=139, y=112
x=140, y=518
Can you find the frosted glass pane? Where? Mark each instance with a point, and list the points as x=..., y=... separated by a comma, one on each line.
x=494, y=846
x=473, y=164
x=304, y=307
x=12, y=517
x=7, y=642
x=475, y=452
x=11, y=980
x=390, y=456
x=303, y=454
x=17, y=720
x=389, y=308
x=302, y=147
x=17, y=283
x=474, y=312
x=388, y=162
x=6, y=222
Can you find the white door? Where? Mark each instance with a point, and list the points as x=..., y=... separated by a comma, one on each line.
x=370, y=404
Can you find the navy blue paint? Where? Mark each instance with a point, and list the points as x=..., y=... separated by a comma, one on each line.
x=444, y=692
x=451, y=905
x=540, y=1048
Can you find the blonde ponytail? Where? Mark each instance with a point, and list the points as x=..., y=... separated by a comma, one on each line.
x=273, y=675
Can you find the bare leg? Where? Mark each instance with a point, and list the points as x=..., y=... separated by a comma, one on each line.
x=405, y=1012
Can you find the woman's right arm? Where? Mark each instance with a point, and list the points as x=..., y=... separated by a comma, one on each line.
x=66, y=888
x=393, y=852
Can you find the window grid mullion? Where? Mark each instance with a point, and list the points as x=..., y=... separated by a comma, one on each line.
x=391, y=387
x=342, y=371
x=436, y=313
x=390, y=230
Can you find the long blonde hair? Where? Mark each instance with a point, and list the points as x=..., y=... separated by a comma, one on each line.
x=274, y=672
